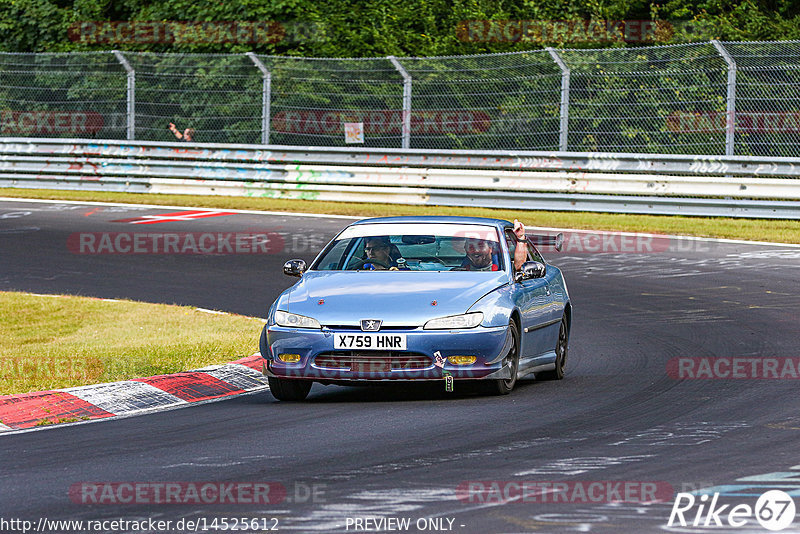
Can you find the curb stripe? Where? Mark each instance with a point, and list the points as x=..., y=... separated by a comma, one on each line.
x=124, y=397
x=31, y=409
x=191, y=387
x=240, y=376
x=27, y=410
x=253, y=362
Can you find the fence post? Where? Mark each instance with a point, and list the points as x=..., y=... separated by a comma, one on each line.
x=266, y=97
x=406, y=100
x=730, y=130
x=563, y=128
x=131, y=111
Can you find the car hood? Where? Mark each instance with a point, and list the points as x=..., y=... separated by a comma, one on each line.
x=397, y=298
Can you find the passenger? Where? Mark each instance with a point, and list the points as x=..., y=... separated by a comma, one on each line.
x=481, y=255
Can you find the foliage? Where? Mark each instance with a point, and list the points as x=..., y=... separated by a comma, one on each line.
x=57, y=342
x=379, y=27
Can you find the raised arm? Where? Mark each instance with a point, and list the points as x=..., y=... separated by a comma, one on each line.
x=521, y=250
x=175, y=131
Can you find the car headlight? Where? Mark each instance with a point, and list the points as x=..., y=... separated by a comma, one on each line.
x=467, y=320
x=293, y=320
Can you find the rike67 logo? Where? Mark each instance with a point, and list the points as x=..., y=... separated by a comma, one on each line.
x=774, y=510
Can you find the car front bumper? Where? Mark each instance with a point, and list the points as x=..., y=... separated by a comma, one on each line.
x=319, y=361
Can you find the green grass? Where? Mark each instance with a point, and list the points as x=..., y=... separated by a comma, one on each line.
x=49, y=342
x=731, y=228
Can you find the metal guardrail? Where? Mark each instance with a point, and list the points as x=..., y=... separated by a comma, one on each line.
x=755, y=166
x=736, y=186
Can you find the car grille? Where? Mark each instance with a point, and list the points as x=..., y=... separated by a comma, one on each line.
x=376, y=361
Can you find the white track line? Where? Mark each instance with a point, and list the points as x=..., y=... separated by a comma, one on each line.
x=160, y=206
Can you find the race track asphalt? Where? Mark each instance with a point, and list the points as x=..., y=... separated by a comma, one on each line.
x=620, y=420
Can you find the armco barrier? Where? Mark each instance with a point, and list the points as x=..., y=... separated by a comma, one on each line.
x=738, y=186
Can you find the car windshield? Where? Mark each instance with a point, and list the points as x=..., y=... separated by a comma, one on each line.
x=413, y=247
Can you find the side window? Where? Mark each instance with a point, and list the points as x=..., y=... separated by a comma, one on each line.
x=533, y=253
x=511, y=242
x=332, y=261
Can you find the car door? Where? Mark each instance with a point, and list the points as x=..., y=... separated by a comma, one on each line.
x=533, y=298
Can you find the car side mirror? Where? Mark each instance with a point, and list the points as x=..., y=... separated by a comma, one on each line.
x=294, y=268
x=530, y=269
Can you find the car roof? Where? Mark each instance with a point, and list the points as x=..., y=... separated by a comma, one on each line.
x=440, y=219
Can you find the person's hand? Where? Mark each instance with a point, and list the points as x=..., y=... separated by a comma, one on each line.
x=172, y=126
x=519, y=230
x=521, y=249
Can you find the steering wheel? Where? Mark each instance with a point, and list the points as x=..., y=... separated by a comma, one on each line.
x=432, y=259
x=361, y=263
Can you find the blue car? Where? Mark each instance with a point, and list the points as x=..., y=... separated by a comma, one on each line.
x=419, y=298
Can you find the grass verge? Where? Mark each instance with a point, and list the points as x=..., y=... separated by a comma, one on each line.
x=730, y=228
x=50, y=343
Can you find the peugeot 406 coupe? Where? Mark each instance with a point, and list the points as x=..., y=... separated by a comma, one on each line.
x=445, y=299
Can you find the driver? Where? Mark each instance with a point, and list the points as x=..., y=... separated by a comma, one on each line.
x=378, y=251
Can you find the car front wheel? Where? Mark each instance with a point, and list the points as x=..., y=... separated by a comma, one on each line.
x=504, y=386
x=289, y=390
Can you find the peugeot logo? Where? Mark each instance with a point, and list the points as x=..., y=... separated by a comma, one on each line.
x=370, y=325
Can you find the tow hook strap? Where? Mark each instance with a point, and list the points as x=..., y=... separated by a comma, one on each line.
x=448, y=378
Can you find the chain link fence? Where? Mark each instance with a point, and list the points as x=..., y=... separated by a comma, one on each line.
x=739, y=98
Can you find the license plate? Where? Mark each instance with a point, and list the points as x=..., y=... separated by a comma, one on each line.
x=370, y=341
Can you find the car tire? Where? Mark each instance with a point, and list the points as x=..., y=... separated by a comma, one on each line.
x=562, y=348
x=504, y=387
x=289, y=390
